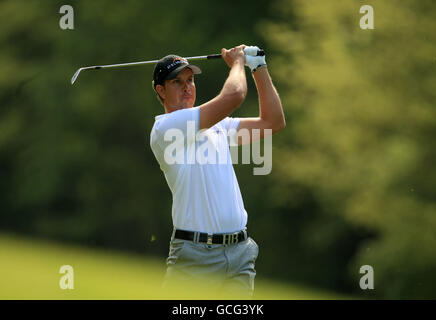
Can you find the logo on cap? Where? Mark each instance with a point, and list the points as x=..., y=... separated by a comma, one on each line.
x=181, y=59
x=176, y=61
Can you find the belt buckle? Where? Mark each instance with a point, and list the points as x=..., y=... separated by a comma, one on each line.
x=209, y=238
x=230, y=238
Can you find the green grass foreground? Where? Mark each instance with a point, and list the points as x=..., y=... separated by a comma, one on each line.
x=30, y=270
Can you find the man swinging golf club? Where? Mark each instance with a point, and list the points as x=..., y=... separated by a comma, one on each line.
x=210, y=238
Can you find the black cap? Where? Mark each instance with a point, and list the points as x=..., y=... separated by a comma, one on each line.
x=169, y=67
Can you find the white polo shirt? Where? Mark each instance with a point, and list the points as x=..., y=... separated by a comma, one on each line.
x=206, y=195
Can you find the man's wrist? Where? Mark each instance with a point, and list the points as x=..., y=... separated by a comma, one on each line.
x=238, y=62
x=259, y=67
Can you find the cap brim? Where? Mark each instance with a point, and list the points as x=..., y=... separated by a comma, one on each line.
x=175, y=72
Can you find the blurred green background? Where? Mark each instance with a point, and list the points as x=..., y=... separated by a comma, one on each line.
x=353, y=176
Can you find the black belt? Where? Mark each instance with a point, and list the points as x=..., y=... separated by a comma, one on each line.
x=216, y=238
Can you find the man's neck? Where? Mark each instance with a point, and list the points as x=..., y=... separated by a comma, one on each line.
x=169, y=109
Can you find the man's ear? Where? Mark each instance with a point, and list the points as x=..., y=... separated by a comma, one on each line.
x=160, y=89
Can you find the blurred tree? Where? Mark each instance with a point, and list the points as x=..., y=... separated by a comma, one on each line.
x=75, y=160
x=352, y=180
x=362, y=122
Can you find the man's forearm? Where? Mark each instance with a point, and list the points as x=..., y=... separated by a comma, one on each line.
x=270, y=106
x=236, y=83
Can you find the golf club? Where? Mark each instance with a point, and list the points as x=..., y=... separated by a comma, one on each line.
x=130, y=64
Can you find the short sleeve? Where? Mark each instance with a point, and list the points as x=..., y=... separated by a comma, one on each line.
x=231, y=123
x=231, y=126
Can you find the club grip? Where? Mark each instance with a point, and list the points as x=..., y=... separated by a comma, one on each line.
x=214, y=56
x=260, y=52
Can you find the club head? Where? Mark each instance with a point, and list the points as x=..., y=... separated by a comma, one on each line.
x=73, y=79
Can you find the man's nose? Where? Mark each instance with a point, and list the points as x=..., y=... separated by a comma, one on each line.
x=185, y=86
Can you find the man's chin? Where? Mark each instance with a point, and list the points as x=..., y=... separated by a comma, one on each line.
x=187, y=105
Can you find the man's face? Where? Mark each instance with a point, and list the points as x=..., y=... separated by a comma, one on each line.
x=179, y=92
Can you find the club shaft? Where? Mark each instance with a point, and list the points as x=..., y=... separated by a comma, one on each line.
x=130, y=64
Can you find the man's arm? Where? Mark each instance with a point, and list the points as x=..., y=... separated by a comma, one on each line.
x=270, y=107
x=233, y=92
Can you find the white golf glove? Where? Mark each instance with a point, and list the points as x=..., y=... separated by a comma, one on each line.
x=252, y=60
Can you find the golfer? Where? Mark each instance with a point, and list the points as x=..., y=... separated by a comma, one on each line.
x=210, y=240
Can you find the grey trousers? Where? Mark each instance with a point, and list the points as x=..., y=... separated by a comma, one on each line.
x=228, y=268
